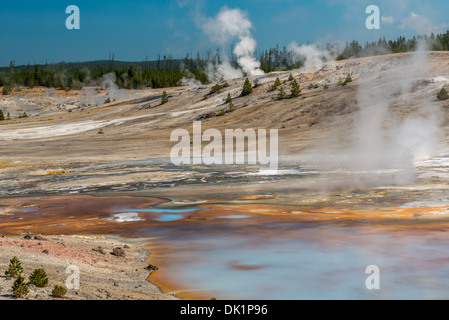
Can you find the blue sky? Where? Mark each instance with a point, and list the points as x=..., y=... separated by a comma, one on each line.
x=35, y=32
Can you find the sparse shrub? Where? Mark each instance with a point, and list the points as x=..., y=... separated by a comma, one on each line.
x=14, y=269
x=231, y=107
x=216, y=89
x=229, y=98
x=20, y=288
x=23, y=115
x=296, y=91
x=108, y=100
x=221, y=113
x=206, y=97
x=326, y=87
x=310, y=86
x=6, y=90
x=164, y=98
x=100, y=131
x=443, y=95
x=39, y=278
x=59, y=291
x=276, y=84
x=281, y=94
x=347, y=80
x=247, y=88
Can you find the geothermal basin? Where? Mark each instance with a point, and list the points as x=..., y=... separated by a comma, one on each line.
x=266, y=235
x=362, y=181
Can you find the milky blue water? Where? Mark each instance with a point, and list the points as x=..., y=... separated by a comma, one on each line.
x=161, y=210
x=169, y=217
x=311, y=263
x=162, y=214
x=240, y=258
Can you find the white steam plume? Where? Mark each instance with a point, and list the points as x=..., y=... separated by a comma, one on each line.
x=227, y=26
x=108, y=81
x=312, y=56
x=397, y=146
x=89, y=95
x=384, y=144
x=52, y=93
x=190, y=80
x=222, y=71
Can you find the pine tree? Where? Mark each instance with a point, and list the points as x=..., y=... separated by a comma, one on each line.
x=247, y=88
x=39, y=278
x=276, y=84
x=281, y=94
x=443, y=95
x=132, y=71
x=2, y=116
x=290, y=78
x=164, y=99
x=296, y=91
x=231, y=107
x=348, y=78
x=37, y=75
x=59, y=291
x=14, y=269
x=20, y=288
x=229, y=98
x=6, y=90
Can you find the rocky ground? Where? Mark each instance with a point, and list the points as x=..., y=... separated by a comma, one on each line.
x=103, y=275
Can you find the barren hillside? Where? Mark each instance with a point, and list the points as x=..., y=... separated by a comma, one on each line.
x=61, y=134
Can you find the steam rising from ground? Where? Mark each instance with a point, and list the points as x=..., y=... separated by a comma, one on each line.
x=108, y=81
x=384, y=147
x=89, y=96
x=311, y=56
x=51, y=92
x=227, y=26
x=190, y=80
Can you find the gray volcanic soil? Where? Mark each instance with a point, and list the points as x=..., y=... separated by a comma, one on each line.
x=60, y=150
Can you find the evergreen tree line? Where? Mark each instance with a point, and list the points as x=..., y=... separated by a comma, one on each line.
x=275, y=59
x=168, y=72
x=76, y=76
x=439, y=42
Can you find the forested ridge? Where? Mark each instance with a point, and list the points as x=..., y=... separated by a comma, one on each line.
x=167, y=71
